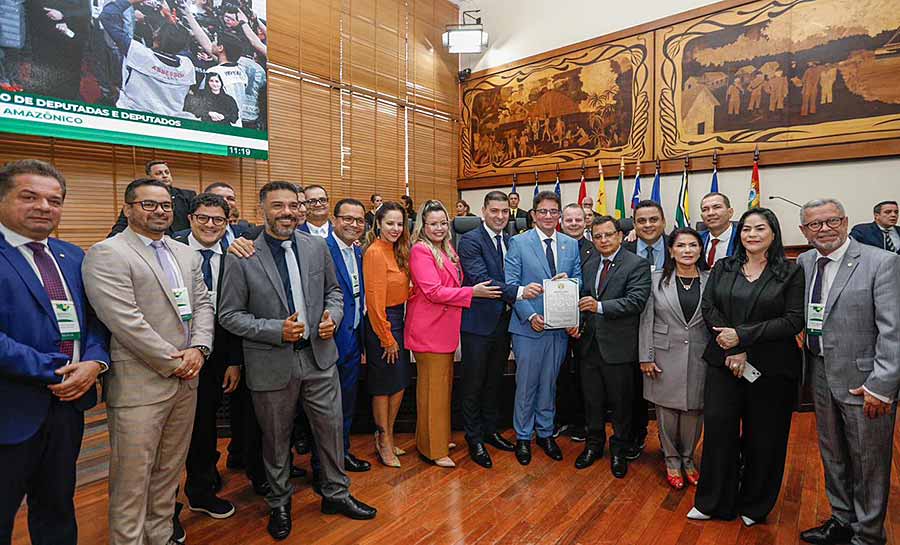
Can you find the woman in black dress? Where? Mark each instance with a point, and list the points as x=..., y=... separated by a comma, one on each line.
x=212, y=104
x=753, y=306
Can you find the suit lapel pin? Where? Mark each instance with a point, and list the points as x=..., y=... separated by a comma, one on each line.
x=62, y=255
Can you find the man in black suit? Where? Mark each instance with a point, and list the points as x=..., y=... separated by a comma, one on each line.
x=883, y=232
x=376, y=201
x=569, y=400
x=650, y=228
x=514, y=211
x=615, y=289
x=485, y=329
x=721, y=235
x=181, y=200
x=232, y=230
x=208, y=216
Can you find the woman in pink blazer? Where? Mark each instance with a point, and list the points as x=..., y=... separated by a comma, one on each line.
x=433, y=315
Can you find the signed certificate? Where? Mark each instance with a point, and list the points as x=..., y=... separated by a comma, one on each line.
x=561, y=303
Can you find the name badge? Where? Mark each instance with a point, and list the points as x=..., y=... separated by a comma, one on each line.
x=653, y=268
x=183, y=302
x=354, y=279
x=66, y=319
x=214, y=300
x=815, y=317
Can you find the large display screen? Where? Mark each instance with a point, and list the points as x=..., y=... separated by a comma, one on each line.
x=187, y=75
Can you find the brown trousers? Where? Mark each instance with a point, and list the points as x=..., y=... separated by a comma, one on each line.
x=434, y=382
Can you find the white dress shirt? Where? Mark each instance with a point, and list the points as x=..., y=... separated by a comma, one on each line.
x=19, y=242
x=215, y=262
x=493, y=236
x=318, y=231
x=349, y=255
x=722, y=247
x=831, y=269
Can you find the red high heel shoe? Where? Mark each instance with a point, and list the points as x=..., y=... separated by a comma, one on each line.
x=675, y=481
x=692, y=476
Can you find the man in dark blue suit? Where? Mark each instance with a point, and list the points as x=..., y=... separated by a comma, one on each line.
x=349, y=225
x=883, y=232
x=52, y=348
x=317, y=212
x=485, y=328
x=721, y=235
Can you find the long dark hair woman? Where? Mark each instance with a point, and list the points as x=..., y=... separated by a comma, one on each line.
x=386, y=274
x=672, y=340
x=212, y=104
x=753, y=306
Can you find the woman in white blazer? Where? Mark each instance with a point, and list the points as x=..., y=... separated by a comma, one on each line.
x=672, y=339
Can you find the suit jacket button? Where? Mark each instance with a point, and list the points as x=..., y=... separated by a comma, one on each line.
x=685, y=342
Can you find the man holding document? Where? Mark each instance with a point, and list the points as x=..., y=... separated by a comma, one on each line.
x=538, y=260
x=615, y=289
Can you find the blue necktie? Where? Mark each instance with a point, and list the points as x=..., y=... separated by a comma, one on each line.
x=550, y=259
x=207, y=268
x=500, y=249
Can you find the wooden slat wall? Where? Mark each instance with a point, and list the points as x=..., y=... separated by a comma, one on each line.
x=343, y=82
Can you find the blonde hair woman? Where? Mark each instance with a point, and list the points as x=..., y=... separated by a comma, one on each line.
x=434, y=313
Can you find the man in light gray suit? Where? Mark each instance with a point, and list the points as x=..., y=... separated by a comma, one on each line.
x=285, y=301
x=853, y=346
x=149, y=291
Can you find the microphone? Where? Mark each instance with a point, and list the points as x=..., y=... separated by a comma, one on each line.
x=779, y=197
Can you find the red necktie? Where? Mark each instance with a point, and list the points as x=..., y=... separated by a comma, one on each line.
x=711, y=258
x=52, y=285
x=603, y=274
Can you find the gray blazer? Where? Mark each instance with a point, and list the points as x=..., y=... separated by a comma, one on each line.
x=861, y=332
x=676, y=345
x=253, y=305
x=129, y=291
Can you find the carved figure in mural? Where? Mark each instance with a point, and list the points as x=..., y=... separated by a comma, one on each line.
x=826, y=81
x=810, y=87
x=777, y=90
x=559, y=131
x=735, y=91
x=756, y=90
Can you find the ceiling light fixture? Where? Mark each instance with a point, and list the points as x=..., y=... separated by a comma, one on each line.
x=466, y=37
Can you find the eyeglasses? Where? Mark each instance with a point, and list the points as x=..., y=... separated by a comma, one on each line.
x=832, y=223
x=203, y=219
x=151, y=206
x=604, y=236
x=350, y=220
x=553, y=212
x=317, y=202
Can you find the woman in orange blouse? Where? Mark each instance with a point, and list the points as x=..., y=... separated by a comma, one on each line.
x=386, y=274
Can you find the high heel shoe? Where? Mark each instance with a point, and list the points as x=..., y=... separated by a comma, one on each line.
x=692, y=476
x=445, y=461
x=398, y=451
x=675, y=480
x=387, y=462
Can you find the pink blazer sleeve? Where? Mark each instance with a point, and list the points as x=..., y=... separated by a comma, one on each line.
x=435, y=284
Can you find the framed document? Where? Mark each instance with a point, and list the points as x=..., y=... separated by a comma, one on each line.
x=561, y=303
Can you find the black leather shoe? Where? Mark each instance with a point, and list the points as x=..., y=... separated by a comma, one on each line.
x=350, y=507
x=301, y=446
x=523, y=452
x=316, y=482
x=261, y=488
x=217, y=483
x=588, y=456
x=280, y=522
x=480, y=455
x=355, y=465
x=178, y=533
x=633, y=453
x=499, y=442
x=297, y=472
x=550, y=448
x=832, y=532
x=619, y=466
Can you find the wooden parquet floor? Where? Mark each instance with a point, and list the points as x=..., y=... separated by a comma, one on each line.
x=544, y=503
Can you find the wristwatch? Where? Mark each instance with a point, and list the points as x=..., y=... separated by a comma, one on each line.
x=203, y=350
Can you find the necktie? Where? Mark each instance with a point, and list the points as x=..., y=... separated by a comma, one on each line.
x=711, y=258
x=607, y=263
x=349, y=262
x=206, y=267
x=550, y=259
x=296, y=285
x=650, y=257
x=888, y=243
x=815, y=341
x=499, y=240
x=52, y=285
x=171, y=277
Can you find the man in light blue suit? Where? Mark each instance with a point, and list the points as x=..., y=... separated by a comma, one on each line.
x=534, y=256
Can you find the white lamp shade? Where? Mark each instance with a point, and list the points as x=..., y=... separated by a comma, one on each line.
x=465, y=40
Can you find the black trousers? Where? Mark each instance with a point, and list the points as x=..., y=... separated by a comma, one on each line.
x=43, y=469
x=569, y=397
x=605, y=385
x=484, y=359
x=203, y=452
x=246, y=435
x=640, y=410
x=744, y=423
